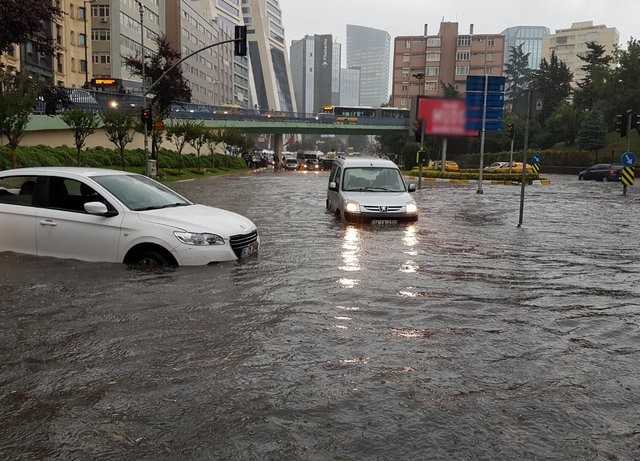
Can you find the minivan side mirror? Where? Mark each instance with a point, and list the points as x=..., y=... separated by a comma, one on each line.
x=333, y=186
x=411, y=187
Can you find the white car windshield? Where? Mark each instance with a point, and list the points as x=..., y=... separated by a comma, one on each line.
x=140, y=193
x=374, y=179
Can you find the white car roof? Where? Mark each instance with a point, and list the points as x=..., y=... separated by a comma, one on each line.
x=69, y=170
x=364, y=162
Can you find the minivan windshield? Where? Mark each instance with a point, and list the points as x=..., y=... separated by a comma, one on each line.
x=374, y=179
x=139, y=193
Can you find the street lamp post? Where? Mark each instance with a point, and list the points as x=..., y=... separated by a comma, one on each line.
x=420, y=77
x=144, y=92
x=86, y=45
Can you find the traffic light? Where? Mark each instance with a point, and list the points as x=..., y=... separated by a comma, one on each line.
x=621, y=124
x=422, y=157
x=635, y=121
x=147, y=119
x=240, y=45
x=510, y=130
x=417, y=130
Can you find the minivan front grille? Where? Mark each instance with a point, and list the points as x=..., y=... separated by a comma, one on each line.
x=382, y=209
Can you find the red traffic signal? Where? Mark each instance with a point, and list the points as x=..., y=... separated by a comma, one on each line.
x=510, y=130
x=146, y=119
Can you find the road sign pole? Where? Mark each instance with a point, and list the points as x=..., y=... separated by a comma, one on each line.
x=524, y=157
x=484, y=121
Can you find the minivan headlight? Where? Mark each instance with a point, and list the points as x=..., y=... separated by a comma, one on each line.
x=411, y=207
x=352, y=207
x=204, y=239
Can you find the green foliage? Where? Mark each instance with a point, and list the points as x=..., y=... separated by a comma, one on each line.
x=591, y=135
x=517, y=72
x=119, y=127
x=28, y=21
x=83, y=124
x=101, y=157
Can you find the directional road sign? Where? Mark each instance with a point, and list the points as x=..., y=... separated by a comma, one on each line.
x=628, y=159
x=536, y=159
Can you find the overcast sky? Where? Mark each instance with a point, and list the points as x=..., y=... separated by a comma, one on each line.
x=408, y=17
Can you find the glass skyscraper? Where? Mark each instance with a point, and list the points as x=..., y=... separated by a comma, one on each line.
x=370, y=50
x=531, y=39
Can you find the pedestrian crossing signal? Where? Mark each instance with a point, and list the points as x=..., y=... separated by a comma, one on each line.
x=240, y=44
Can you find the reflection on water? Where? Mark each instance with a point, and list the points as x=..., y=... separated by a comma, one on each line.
x=460, y=336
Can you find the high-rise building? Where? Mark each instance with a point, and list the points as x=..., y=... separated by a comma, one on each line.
x=315, y=63
x=530, y=37
x=272, y=87
x=210, y=72
x=569, y=44
x=425, y=65
x=350, y=86
x=370, y=50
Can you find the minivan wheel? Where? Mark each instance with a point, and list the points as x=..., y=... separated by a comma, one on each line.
x=605, y=179
x=151, y=259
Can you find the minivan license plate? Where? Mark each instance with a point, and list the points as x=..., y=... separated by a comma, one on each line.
x=246, y=251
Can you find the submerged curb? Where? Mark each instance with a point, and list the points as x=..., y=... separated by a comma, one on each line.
x=543, y=182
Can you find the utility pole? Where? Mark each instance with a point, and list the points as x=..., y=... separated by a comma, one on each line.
x=144, y=92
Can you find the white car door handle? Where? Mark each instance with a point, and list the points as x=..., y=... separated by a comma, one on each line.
x=48, y=222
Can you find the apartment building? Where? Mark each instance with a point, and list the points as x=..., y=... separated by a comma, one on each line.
x=569, y=44
x=423, y=64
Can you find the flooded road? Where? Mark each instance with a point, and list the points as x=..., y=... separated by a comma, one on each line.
x=459, y=337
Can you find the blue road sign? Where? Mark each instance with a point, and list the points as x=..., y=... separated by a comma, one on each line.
x=489, y=125
x=476, y=83
x=628, y=159
x=535, y=160
x=491, y=114
x=494, y=100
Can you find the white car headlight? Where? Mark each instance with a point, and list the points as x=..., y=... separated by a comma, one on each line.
x=411, y=207
x=205, y=239
x=352, y=207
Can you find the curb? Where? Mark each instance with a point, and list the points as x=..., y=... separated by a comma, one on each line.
x=496, y=182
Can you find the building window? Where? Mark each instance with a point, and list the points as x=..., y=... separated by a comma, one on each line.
x=463, y=40
x=433, y=41
x=405, y=73
x=463, y=55
x=431, y=86
x=489, y=57
x=433, y=57
x=432, y=71
x=406, y=58
x=490, y=42
x=405, y=87
x=407, y=44
x=83, y=65
x=462, y=70
x=82, y=40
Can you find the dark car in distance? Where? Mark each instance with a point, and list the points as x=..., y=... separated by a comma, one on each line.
x=601, y=172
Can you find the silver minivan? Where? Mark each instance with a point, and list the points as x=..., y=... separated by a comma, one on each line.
x=370, y=190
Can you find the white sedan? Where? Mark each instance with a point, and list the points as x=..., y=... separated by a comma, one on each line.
x=95, y=214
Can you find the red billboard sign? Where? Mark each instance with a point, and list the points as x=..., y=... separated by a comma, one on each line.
x=443, y=117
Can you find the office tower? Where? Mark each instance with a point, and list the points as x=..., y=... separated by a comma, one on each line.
x=369, y=50
x=530, y=37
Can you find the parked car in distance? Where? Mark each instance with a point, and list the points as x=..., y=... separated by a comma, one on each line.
x=94, y=214
x=601, y=172
x=494, y=166
x=513, y=167
x=290, y=164
x=369, y=190
x=449, y=165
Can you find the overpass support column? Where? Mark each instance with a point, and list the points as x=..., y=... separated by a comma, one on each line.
x=278, y=147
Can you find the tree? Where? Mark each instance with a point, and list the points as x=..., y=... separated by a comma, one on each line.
x=517, y=72
x=563, y=125
x=18, y=95
x=28, y=21
x=552, y=82
x=623, y=91
x=592, y=133
x=178, y=133
x=597, y=72
x=197, y=138
x=119, y=127
x=83, y=124
x=172, y=88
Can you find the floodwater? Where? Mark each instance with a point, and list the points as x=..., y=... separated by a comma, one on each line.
x=461, y=337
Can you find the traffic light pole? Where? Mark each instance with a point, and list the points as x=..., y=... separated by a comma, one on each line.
x=242, y=38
